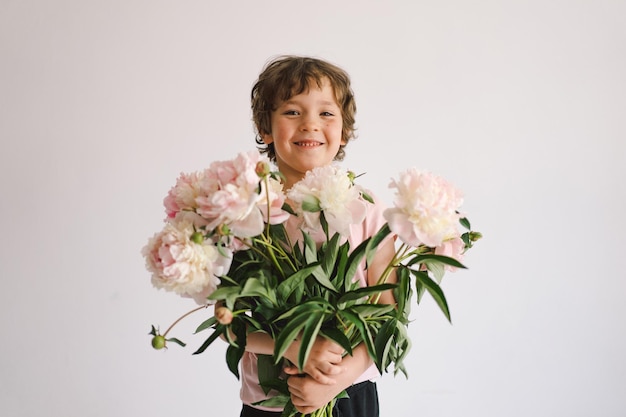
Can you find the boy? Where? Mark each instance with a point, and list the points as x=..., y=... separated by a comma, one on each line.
x=304, y=109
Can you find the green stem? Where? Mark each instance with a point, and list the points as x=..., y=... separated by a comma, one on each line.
x=398, y=257
x=268, y=202
x=269, y=246
x=403, y=253
x=273, y=250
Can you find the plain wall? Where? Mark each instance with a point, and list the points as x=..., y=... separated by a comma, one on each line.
x=521, y=104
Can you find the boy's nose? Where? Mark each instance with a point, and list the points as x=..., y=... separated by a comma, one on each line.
x=309, y=124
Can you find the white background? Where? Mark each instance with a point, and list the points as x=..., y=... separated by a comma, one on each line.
x=519, y=103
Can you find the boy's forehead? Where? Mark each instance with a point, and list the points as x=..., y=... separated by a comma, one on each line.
x=311, y=84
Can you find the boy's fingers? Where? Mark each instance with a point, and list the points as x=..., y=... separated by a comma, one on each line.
x=331, y=369
x=321, y=378
x=292, y=370
x=315, y=374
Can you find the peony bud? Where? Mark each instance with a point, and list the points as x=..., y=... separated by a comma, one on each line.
x=351, y=176
x=474, y=236
x=197, y=237
x=222, y=230
x=158, y=342
x=262, y=169
x=223, y=315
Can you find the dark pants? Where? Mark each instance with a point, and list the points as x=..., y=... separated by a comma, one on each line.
x=363, y=402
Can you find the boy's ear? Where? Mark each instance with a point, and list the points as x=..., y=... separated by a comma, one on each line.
x=267, y=138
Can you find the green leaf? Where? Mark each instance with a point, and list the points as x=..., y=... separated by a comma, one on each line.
x=321, y=277
x=251, y=323
x=222, y=251
x=361, y=325
x=233, y=356
x=308, y=307
x=309, y=334
x=324, y=224
x=219, y=330
x=364, y=292
x=290, y=409
x=234, y=353
x=342, y=394
x=257, y=288
x=374, y=242
x=310, y=248
x=465, y=223
x=227, y=294
x=331, y=250
x=421, y=289
x=277, y=401
x=227, y=281
x=206, y=324
x=438, y=258
x=296, y=251
x=465, y=237
x=337, y=336
x=403, y=346
x=384, y=340
x=437, y=268
x=371, y=311
x=311, y=204
x=353, y=263
x=402, y=293
x=342, y=261
x=288, y=335
x=268, y=372
x=177, y=341
x=367, y=197
x=287, y=287
x=434, y=290
x=288, y=209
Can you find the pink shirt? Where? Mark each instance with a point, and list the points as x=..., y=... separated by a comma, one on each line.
x=251, y=391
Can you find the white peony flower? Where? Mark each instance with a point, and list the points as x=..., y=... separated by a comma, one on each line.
x=426, y=208
x=328, y=189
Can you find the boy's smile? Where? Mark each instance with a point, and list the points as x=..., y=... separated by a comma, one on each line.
x=306, y=131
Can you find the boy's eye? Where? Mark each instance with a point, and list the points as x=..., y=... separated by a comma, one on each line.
x=327, y=113
x=291, y=113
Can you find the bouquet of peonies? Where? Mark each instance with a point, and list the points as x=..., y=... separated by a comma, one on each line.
x=288, y=269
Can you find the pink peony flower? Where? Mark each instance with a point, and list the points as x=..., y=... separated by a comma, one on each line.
x=183, y=195
x=328, y=189
x=229, y=195
x=425, y=209
x=179, y=265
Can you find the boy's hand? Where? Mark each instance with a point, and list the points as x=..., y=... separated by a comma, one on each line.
x=308, y=395
x=324, y=360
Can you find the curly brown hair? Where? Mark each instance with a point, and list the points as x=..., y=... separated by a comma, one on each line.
x=287, y=76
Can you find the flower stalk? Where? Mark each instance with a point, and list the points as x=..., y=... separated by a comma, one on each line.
x=159, y=340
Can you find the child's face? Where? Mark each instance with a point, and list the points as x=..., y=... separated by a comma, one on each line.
x=306, y=131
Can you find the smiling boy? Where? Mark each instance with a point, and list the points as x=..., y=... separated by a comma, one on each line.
x=304, y=109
